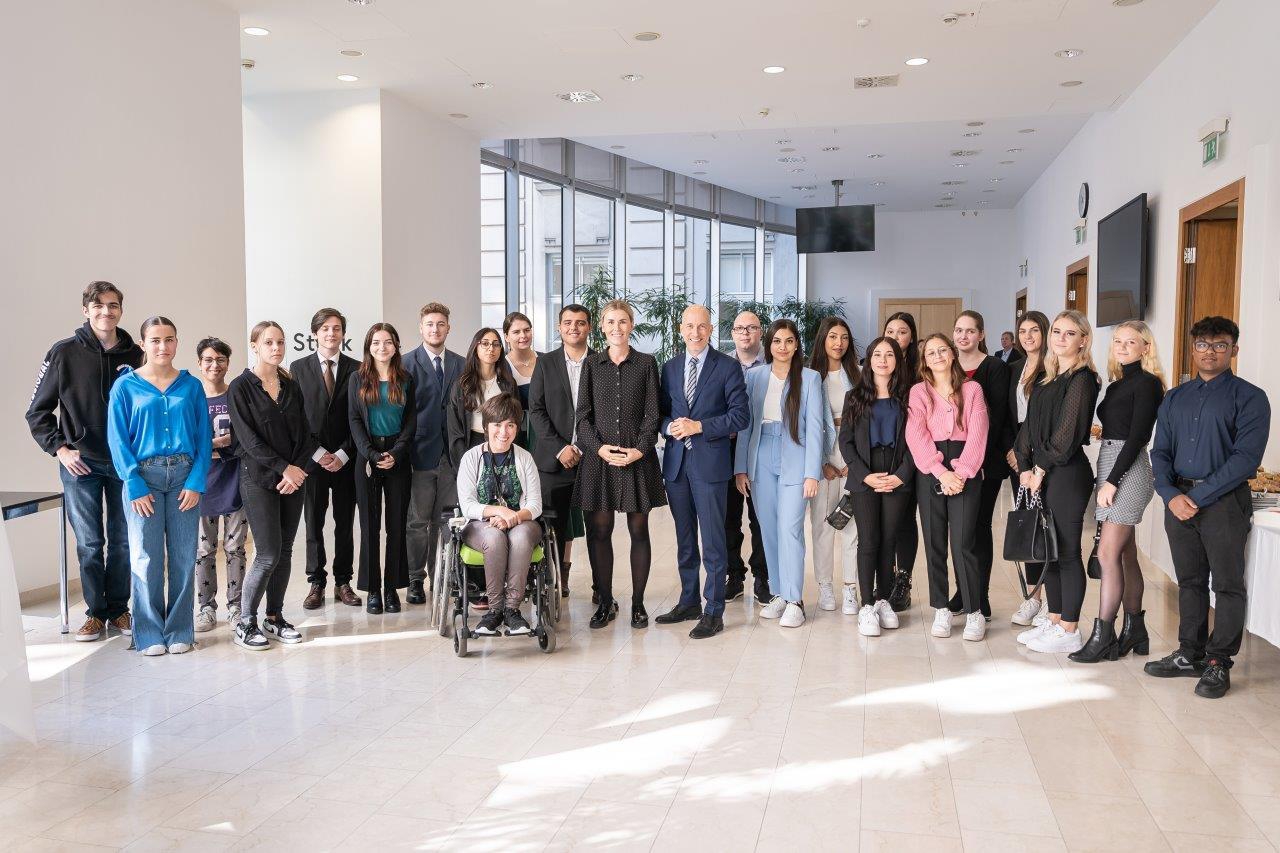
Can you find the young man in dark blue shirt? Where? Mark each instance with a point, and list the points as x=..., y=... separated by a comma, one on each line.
x=1210, y=435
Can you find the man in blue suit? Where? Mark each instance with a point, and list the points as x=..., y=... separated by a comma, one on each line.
x=434, y=370
x=703, y=401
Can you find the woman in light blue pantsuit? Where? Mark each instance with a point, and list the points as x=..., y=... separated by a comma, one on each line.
x=781, y=462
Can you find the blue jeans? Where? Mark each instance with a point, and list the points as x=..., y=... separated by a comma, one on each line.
x=103, y=555
x=781, y=510
x=169, y=532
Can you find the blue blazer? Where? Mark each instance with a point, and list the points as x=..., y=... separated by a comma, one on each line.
x=802, y=461
x=429, y=441
x=719, y=402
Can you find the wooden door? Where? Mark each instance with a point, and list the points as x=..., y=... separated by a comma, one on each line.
x=1077, y=296
x=1210, y=247
x=932, y=314
x=1019, y=310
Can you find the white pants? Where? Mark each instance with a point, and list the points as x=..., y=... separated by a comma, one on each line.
x=824, y=535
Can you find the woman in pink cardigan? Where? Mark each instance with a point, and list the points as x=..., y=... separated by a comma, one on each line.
x=947, y=435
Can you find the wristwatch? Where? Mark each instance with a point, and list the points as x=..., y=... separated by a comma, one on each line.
x=1038, y=471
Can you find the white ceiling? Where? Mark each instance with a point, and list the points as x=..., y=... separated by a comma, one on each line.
x=703, y=91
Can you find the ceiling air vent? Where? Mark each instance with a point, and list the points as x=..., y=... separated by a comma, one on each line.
x=882, y=81
x=965, y=152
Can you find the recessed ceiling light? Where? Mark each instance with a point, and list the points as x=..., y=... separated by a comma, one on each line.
x=944, y=205
x=481, y=85
x=786, y=150
x=586, y=96
x=791, y=158
x=1014, y=150
x=965, y=152
x=459, y=115
x=1071, y=84
x=988, y=191
x=1125, y=2
x=773, y=69
x=348, y=78
x=959, y=165
x=633, y=78
x=360, y=2
x=874, y=156
x=1027, y=130
x=1069, y=53
x=984, y=201
x=797, y=170
x=699, y=173
x=831, y=148
x=974, y=123
x=352, y=53
x=701, y=162
x=973, y=133
x=617, y=147
x=1006, y=162
x=877, y=183
x=808, y=196
x=782, y=142
x=257, y=31
x=647, y=36
x=953, y=183
x=996, y=180
x=918, y=60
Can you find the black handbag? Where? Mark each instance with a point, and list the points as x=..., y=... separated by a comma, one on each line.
x=839, y=517
x=1095, y=567
x=1029, y=535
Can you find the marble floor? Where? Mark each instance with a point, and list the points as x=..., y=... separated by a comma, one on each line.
x=372, y=735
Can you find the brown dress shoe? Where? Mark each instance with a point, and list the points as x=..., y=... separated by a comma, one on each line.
x=344, y=593
x=315, y=598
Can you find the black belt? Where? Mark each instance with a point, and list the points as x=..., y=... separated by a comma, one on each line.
x=1186, y=483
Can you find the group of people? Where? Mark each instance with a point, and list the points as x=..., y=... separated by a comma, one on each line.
x=172, y=464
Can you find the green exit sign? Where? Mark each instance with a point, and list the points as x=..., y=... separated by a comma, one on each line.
x=1209, y=151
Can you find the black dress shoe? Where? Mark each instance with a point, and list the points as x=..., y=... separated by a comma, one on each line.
x=391, y=601
x=1216, y=680
x=1101, y=645
x=605, y=613
x=639, y=616
x=708, y=626
x=595, y=597
x=679, y=614
x=1176, y=665
x=416, y=594
x=1133, y=634
x=734, y=589
x=762, y=593
x=374, y=604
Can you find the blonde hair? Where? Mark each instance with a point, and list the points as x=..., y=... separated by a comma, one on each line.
x=1150, y=359
x=1086, y=350
x=617, y=305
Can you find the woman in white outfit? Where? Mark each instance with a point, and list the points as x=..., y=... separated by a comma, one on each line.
x=835, y=359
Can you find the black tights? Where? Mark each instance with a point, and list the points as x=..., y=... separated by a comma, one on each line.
x=600, y=551
x=1121, y=575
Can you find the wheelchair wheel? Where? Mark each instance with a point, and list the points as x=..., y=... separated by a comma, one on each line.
x=547, y=639
x=442, y=585
x=552, y=548
x=459, y=636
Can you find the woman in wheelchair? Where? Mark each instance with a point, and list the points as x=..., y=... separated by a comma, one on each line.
x=499, y=491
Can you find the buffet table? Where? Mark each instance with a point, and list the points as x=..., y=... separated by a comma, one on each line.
x=1262, y=574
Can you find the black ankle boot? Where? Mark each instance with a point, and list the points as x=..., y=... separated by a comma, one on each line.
x=1102, y=644
x=1133, y=634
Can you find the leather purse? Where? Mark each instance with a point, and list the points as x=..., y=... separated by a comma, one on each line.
x=1029, y=534
x=1095, y=567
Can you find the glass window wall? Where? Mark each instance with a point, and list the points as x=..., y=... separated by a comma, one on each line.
x=592, y=240
x=493, y=255
x=540, y=256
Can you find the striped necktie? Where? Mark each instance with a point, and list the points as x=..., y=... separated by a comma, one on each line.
x=690, y=383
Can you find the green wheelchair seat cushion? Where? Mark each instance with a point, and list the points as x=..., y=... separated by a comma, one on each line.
x=471, y=557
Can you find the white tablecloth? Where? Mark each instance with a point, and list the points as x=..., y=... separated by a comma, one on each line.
x=1262, y=573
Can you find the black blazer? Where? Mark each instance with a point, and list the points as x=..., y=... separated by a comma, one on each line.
x=551, y=412
x=457, y=422
x=993, y=376
x=1015, y=377
x=855, y=447
x=326, y=417
x=358, y=416
x=272, y=434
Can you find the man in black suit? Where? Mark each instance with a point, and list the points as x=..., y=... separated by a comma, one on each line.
x=1009, y=352
x=553, y=404
x=323, y=378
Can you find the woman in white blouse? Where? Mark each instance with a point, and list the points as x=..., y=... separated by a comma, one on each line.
x=522, y=358
x=485, y=374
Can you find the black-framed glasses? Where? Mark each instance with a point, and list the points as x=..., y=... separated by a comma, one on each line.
x=210, y=362
x=489, y=344
x=742, y=330
x=1217, y=346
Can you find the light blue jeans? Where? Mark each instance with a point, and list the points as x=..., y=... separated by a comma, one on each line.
x=160, y=619
x=781, y=510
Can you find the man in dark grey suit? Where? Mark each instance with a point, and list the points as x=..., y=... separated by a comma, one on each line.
x=323, y=378
x=553, y=404
x=434, y=370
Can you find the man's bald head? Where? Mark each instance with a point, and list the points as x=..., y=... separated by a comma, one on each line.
x=695, y=328
x=747, y=332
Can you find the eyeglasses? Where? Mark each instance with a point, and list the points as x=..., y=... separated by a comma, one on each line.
x=744, y=330
x=490, y=344
x=1217, y=346
x=210, y=362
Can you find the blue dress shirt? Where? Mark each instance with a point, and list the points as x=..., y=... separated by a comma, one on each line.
x=143, y=421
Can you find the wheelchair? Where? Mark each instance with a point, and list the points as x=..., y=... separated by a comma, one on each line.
x=459, y=573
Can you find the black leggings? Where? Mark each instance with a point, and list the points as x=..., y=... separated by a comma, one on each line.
x=1065, y=492
x=600, y=552
x=879, y=519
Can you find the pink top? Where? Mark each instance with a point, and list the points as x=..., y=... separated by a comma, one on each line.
x=930, y=418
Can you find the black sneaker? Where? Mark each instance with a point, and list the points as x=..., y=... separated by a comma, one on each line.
x=763, y=595
x=281, y=630
x=516, y=626
x=490, y=624
x=247, y=636
x=733, y=589
x=1216, y=679
x=1176, y=665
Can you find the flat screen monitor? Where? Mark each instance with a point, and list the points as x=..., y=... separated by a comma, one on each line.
x=1122, y=263
x=851, y=228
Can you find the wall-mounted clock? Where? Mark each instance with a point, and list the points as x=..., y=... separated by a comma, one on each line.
x=1082, y=204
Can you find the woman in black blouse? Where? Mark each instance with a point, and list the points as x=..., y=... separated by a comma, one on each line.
x=1125, y=486
x=1024, y=377
x=992, y=375
x=275, y=446
x=901, y=326
x=1050, y=455
x=617, y=430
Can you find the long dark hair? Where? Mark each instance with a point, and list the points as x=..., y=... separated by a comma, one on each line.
x=982, y=327
x=397, y=376
x=863, y=394
x=957, y=373
x=818, y=359
x=912, y=353
x=469, y=381
x=791, y=405
x=1042, y=321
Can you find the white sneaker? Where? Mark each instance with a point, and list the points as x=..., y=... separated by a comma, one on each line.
x=849, y=606
x=868, y=621
x=1026, y=612
x=975, y=627
x=180, y=648
x=1057, y=640
x=826, y=597
x=154, y=651
x=774, y=608
x=233, y=615
x=206, y=620
x=1034, y=631
x=793, y=617
x=884, y=610
x=941, y=623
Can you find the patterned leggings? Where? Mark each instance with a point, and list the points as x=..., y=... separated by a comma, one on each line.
x=235, y=529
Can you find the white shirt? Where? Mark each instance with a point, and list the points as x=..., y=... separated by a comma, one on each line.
x=488, y=390
x=1020, y=395
x=333, y=362
x=772, y=410
x=574, y=369
x=520, y=378
x=837, y=386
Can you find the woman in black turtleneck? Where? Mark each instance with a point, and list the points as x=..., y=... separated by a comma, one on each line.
x=1125, y=486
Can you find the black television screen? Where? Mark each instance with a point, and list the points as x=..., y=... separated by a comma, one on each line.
x=1122, y=263
x=851, y=228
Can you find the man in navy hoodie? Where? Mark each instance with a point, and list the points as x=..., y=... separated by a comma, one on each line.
x=68, y=419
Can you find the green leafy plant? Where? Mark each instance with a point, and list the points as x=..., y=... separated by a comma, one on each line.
x=806, y=314
x=594, y=295
x=661, y=312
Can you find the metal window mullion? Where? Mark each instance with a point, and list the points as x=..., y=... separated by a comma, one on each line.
x=511, y=237
x=759, y=265
x=568, y=247
x=713, y=287
x=802, y=277
x=669, y=253
x=618, y=210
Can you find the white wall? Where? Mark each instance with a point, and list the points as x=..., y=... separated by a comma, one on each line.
x=926, y=254
x=120, y=164
x=1227, y=66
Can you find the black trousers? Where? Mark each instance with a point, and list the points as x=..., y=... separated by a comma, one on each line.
x=879, y=518
x=324, y=488
x=383, y=496
x=908, y=541
x=950, y=519
x=273, y=521
x=1033, y=570
x=1065, y=493
x=733, y=533
x=557, y=495
x=1209, y=550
